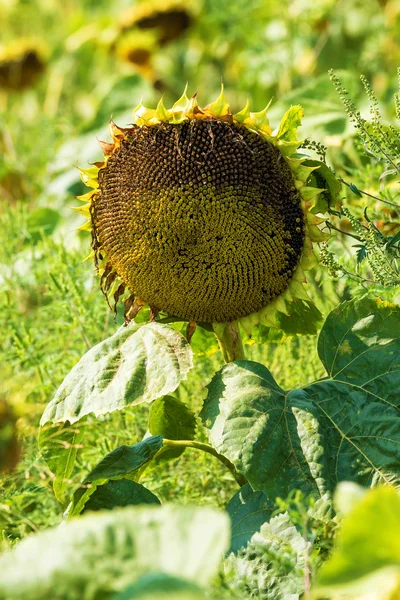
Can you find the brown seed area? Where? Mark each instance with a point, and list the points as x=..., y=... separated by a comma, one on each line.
x=201, y=220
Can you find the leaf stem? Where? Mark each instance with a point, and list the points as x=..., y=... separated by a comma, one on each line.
x=371, y=195
x=230, y=340
x=241, y=480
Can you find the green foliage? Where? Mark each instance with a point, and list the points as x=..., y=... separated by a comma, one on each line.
x=343, y=427
x=137, y=364
x=9, y=447
x=100, y=554
x=123, y=462
x=366, y=561
x=378, y=253
x=59, y=445
x=381, y=141
x=119, y=493
x=172, y=419
x=248, y=510
x=273, y=565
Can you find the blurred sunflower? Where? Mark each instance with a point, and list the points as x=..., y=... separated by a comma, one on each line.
x=203, y=214
x=137, y=48
x=21, y=63
x=169, y=19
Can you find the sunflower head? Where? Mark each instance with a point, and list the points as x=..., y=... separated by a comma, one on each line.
x=21, y=62
x=203, y=214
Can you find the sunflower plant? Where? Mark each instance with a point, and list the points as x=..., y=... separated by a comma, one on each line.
x=203, y=223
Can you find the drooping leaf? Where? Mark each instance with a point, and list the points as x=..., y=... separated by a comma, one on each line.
x=248, y=510
x=59, y=445
x=139, y=363
x=172, y=419
x=343, y=427
x=123, y=462
x=120, y=493
x=366, y=562
x=272, y=566
x=99, y=554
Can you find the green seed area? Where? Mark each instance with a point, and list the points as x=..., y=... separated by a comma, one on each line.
x=201, y=220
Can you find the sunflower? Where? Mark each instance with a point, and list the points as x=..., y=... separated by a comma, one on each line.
x=21, y=62
x=138, y=48
x=203, y=214
x=168, y=18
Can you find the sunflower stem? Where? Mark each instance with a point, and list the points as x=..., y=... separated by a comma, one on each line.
x=230, y=340
x=241, y=480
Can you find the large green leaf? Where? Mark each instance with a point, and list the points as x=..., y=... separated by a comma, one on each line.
x=139, y=363
x=120, y=493
x=272, y=566
x=59, y=445
x=123, y=462
x=248, y=510
x=101, y=553
x=343, y=427
x=366, y=562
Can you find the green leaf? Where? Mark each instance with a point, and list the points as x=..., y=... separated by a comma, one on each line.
x=291, y=121
x=59, y=445
x=359, y=340
x=323, y=177
x=343, y=427
x=139, y=363
x=102, y=553
x=124, y=461
x=273, y=564
x=120, y=493
x=172, y=419
x=366, y=562
x=304, y=318
x=248, y=510
x=161, y=587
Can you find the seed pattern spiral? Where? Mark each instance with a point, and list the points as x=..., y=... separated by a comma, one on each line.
x=201, y=220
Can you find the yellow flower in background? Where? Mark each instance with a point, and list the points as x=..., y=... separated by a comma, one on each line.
x=167, y=18
x=21, y=63
x=203, y=214
x=138, y=48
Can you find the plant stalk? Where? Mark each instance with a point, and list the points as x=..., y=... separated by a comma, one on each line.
x=241, y=480
x=230, y=340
